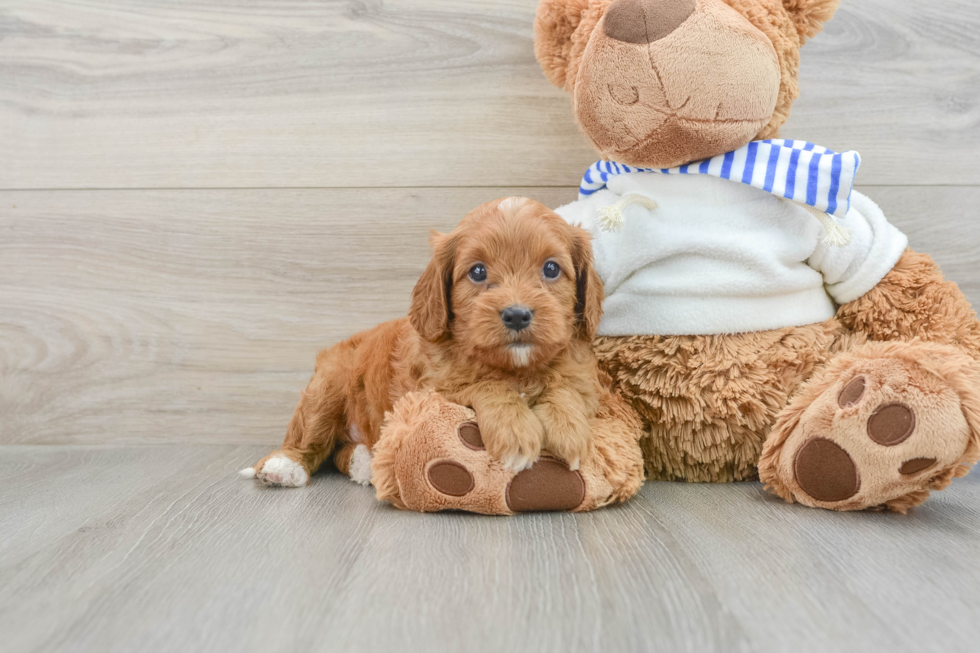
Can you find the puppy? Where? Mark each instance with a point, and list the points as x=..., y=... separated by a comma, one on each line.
x=502, y=320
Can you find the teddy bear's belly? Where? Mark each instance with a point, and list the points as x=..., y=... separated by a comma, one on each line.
x=709, y=402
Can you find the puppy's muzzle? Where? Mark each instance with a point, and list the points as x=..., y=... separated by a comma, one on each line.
x=517, y=318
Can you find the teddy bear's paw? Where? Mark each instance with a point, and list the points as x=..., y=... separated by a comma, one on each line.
x=882, y=433
x=550, y=484
x=432, y=456
x=476, y=482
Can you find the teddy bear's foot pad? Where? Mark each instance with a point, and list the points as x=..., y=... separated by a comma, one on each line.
x=881, y=433
x=450, y=478
x=548, y=485
x=825, y=471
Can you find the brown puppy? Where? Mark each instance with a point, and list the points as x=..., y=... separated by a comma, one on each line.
x=502, y=320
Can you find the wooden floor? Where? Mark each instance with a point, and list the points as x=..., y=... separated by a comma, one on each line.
x=164, y=548
x=196, y=196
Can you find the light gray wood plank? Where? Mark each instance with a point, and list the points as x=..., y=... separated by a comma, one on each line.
x=189, y=316
x=900, y=83
x=165, y=549
x=943, y=222
x=194, y=316
x=797, y=578
x=257, y=93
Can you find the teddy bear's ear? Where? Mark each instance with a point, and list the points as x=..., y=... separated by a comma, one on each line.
x=554, y=25
x=810, y=15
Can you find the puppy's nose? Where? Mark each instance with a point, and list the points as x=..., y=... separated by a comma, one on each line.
x=645, y=21
x=516, y=318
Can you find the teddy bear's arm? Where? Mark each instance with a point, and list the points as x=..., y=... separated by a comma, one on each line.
x=915, y=300
x=875, y=246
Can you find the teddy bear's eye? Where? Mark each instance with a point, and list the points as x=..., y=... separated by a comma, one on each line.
x=551, y=270
x=478, y=273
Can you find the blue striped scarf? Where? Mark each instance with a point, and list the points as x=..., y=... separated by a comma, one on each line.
x=797, y=170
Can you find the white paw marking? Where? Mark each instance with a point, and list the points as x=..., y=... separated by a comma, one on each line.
x=280, y=470
x=360, y=465
x=518, y=463
x=248, y=472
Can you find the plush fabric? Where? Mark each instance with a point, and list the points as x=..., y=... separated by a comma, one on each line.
x=675, y=100
x=795, y=170
x=716, y=256
x=708, y=402
x=934, y=391
x=737, y=343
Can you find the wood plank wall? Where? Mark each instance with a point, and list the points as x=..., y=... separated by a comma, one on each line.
x=194, y=197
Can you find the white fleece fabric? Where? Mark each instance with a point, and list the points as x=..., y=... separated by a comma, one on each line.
x=720, y=257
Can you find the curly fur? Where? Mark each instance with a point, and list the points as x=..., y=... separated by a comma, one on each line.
x=616, y=430
x=708, y=402
x=915, y=301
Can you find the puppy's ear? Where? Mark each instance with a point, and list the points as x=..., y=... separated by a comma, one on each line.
x=589, y=290
x=431, y=311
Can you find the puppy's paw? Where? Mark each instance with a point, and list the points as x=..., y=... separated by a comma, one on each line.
x=571, y=446
x=521, y=461
x=280, y=470
x=515, y=442
x=360, y=465
x=568, y=438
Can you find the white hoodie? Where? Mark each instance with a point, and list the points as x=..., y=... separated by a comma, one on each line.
x=717, y=256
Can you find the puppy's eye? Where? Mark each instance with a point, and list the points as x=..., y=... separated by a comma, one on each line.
x=551, y=270
x=478, y=273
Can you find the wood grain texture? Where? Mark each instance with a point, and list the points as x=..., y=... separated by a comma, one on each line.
x=164, y=549
x=258, y=93
x=194, y=316
x=188, y=316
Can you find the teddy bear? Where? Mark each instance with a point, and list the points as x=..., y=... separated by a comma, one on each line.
x=762, y=319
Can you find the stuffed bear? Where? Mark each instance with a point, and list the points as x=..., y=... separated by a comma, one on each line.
x=762, y=319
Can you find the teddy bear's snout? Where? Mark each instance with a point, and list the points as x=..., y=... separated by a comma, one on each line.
x=649, y=93
x=645, y=21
